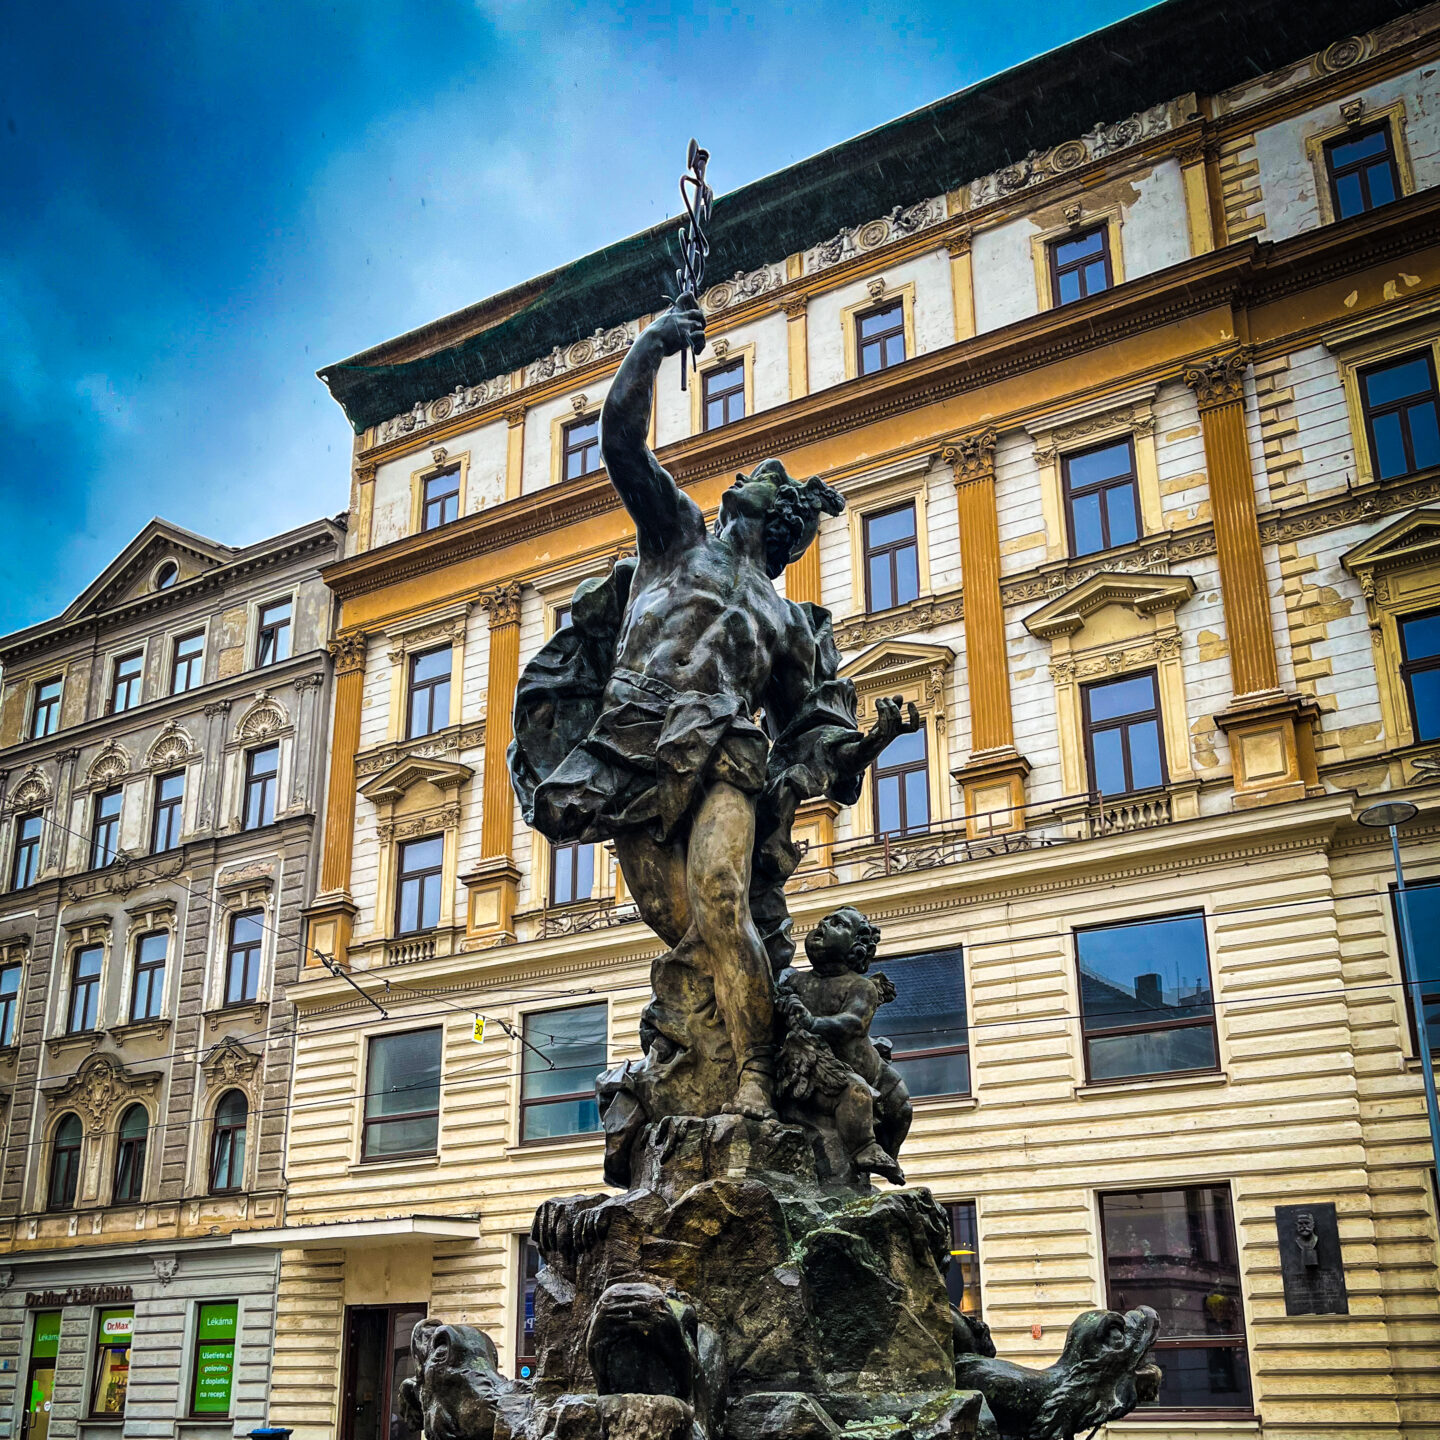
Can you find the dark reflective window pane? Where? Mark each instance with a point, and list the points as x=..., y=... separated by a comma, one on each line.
x=1425, y=691
x=887, y=804
x=401, y=1137
x=1146, y=971
x=927, y=1014
x=404, y=1073
x=1114, y=698
x=1423, y=901
x=1209, y=1377
x=1154, y=1052
x=1398, y=382
x=882, y=593
x=433, y=664
x=897, y=525
x=962, y=1280
x=1089, y=535
x=1351, y=151
x=1390, y=459
x=1382, y=185
x=1144, y=741
x=1069, y=287
x=1120, y=512
x=1424, y=434
x=903, y=749
x=1108, y=747
x=907, y=574
x=1093, y=466
x=564, y=1051
x=1421, y=636
x=917, y=800
x=936, y=1074
x=561, y=1117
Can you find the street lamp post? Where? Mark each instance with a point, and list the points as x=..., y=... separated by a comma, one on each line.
x=1390, y=815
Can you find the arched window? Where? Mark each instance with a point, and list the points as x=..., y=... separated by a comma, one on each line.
x=130, y=1155
x=227, y=1143
x=64, y=1164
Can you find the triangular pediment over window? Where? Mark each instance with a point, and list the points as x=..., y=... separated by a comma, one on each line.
x=392, y=782
x=1067, y=614
x=895, y=660
x=145, y=565
x=1412, y=541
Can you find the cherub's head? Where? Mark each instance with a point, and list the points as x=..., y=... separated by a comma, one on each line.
x=790, y=510
x=843, y=940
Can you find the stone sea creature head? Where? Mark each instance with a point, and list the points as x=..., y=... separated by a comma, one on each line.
x=844, y=940
x=791, y=510
x=458, y=1388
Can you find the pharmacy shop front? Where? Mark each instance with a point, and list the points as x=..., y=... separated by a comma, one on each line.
x=116, y=1343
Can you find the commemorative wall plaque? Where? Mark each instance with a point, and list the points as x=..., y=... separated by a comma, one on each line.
x=1310, y=1261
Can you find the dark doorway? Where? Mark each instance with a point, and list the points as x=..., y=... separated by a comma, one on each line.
x=377, y=1359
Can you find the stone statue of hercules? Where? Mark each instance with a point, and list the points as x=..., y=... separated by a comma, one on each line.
x=705, y=643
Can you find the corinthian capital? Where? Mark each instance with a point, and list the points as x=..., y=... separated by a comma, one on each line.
x=348, y=651
x=1220, y=379
x=972, y=457
x=502, y=604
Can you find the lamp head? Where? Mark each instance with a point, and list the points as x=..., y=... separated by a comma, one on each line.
x=1388, y=813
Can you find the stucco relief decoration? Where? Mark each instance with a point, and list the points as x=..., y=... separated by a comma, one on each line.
x=110, y=765
x=33, y=791
x=173, y=746
x=614, y=341
x=900, y=222
x=1344, y=54
x=264, y=717
x=229, y=1063
x=348, y=652
x=165, y=1267
x=459, y=400
x=741, y=287
x=97, y=1088
x=259, y=872
x=971, y=457
x=1095, y=144
x=502, y=605
x=1218, y=380
x=415, y=826
x=412, y=640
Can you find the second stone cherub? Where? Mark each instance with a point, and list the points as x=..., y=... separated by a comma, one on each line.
x=828, y=1062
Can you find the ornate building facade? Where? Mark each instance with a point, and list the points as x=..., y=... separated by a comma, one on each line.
x=1132, y=395
x=162, y=752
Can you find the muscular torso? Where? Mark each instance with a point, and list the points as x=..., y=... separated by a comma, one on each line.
x=705, y=617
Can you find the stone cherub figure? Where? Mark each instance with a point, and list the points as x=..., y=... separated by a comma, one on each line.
x=637, y=724
x=828, y=1060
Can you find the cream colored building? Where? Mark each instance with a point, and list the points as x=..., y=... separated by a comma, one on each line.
x=1139, y=440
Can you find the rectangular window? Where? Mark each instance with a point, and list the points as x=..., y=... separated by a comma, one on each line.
x=25, y=867
x=572, y=873
x=926, y=1022
x=84, y=1010
x=1102, y=501
x=261, y=769
x=441, y=499
x=1362, y=171
x=1174, y=1250
x=1423, y=902
x=402, y=1095
x=215, y=1329
x=112, y=1362
x=880, y=338
x=429, y=708
x=45, y=717
x=147, y=997
x=563, y=1051
x=417, y=890
x=242, y=957
x=902, y=786
x=273, y=644
x=724, y=395
x=963, y=1277
x=564, y=615
x=1399, y=402
x=165, y=820
x=1123, y=739
x=188, y=663
x=1420, y=670
x=105, y=829
x=580, y=448
x=1145, y=999
x=9, y=999
x=525, y=1309
x=1080, y=265
x=892, y=558
x=125, y=681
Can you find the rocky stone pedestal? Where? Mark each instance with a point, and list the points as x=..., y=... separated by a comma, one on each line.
x=766, y=1303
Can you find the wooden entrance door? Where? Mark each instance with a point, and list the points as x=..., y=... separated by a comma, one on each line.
x=377, y=1359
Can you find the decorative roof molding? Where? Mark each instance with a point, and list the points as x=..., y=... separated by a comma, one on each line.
x=1098, y=143
x=892, y=661
x=1410, y=542
x=614, y=341
x=1144, y=594
x=901, y=222
x=742, y=287
x=460, y=399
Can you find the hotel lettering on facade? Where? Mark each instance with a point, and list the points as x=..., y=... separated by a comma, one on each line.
x=1138, y=435
x=161, y=750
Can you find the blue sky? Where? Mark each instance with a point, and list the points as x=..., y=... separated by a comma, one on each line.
x=204, y=202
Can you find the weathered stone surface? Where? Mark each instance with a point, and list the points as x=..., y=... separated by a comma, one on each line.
x=789, y=1413
x=645, y=1417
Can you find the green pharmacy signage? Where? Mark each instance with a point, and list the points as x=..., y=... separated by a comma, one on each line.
x=214, y=1358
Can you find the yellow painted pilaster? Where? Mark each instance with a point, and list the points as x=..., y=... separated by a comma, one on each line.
x=1195, y=178
x=798, y=334
x=962, y=284
x=515, y=452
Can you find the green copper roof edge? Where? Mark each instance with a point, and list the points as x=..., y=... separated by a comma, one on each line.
x=1150, y=57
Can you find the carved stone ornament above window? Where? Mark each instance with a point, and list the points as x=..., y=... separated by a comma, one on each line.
x=126, y=874
x=438, y=745
x=445, y=629
x=110, y=765
x=895, y=666
x=264, y=718
x=229, y=1063
x=98, y=1088
x=392, y=783
x=172, y=746
x=614, y=341
x=1144, y=594
x=32, y=792
x=460, y=399
x=242, y=877
x=1412, y=543
x=741, y=287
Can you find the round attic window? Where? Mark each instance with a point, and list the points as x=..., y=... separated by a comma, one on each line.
x=167, y=575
